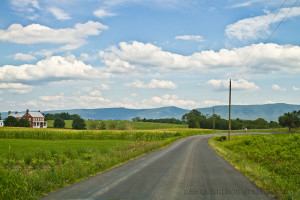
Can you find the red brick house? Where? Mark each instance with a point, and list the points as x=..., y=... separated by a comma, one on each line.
x=36, y=119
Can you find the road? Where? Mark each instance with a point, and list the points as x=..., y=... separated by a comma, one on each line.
x=187, y=169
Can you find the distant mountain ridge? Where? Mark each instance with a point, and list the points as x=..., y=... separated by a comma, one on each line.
x=269, y=112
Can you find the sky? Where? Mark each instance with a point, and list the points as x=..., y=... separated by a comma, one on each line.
x=74, y=54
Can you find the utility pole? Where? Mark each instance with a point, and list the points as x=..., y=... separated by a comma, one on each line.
x=214, y=122
x=229, y=130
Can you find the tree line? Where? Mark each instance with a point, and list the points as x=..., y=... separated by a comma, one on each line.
x=195, y=119
x=166, y=120
x=63, y=115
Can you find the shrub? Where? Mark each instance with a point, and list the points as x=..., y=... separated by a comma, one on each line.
x=78, y=123
x=23, y=123
x=59, y=123
x=221, y=138
x=11, y=121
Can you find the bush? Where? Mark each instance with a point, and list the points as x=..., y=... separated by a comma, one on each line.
x=23, y=123
x=221, y=138
x=59, y=123
x=78, y=123
x=11, y=121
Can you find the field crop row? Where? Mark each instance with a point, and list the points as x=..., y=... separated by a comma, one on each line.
x=66, y=134
x=271, y=161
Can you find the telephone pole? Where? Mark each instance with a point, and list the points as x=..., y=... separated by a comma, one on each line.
x=229, y=130
x=214, y=122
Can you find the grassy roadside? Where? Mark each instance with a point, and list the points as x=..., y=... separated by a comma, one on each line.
x=271, y=161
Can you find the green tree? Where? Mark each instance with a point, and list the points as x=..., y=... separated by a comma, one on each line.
x=260, y=123
x=59, y=123
x=11, y=121
x=192, y=118
x=78, y=123
x=273, y=124
x=23, y=123
x=136, y=119
x=290, y=120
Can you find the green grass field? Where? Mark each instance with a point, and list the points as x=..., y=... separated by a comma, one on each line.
x=122, y=125
x=32, y=168
x=34, y=162
x=271, y=161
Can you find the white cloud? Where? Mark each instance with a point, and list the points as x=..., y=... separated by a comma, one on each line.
x=52, y=98
x=17, y=88
x=197, y=38
x=25, y=5
x=138, y=58
x=103, y=86
x=169, y=100
x=24, y=57
x=154, y=84
x=239, y=85
x=278, y=88
x=251, y=28
x=95, y=93
x=86, y=99
x=295, y=88
x=51, y=69
x=209, y=103
x=101, y=13
x=59, y=14
x=36, y=33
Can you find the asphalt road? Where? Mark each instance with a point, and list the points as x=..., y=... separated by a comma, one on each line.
x=187, y=169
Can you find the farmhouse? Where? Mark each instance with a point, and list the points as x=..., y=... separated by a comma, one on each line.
x=36, y=119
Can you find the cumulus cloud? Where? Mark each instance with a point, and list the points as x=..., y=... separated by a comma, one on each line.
x=54, y=68
x=24, y=57
x=277, y=87
x=251, y=28
x=239, y=85
x=197, y=38
x=296, y=89
x=36, y=33
x=17, y=88
x=59, y=14
x=154, y=84
x=208, y=103
x=101, y=13
x=138, y=57
x=169, y=100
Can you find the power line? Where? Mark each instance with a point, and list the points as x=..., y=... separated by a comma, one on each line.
x=254, y=51
x=282, y=20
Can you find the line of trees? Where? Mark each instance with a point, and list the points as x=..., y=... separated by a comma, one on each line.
x=63, y=115
x=195, y=119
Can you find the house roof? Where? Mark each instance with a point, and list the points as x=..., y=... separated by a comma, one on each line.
x=19, y=115
x=36, y=114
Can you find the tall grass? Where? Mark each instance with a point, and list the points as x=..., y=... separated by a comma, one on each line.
x=271, y=161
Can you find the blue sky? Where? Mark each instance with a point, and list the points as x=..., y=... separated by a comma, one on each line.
x=67, y=54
